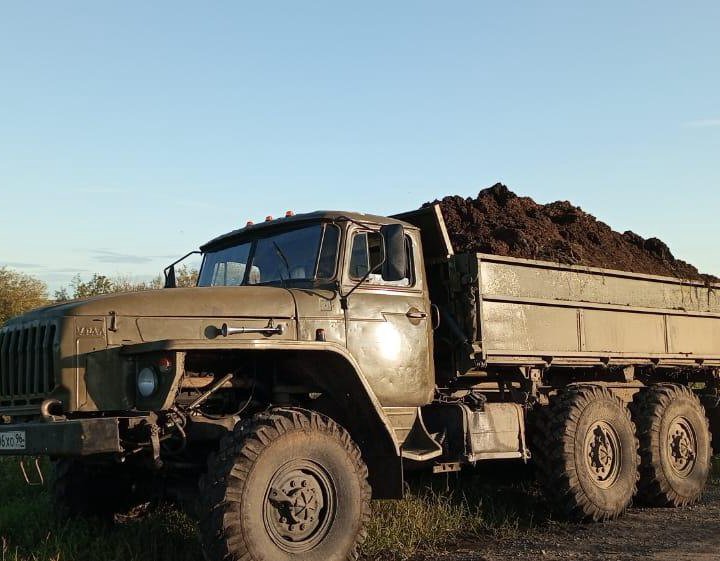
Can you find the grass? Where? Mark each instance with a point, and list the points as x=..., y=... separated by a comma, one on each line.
x=436, y=513
x=30, y=532
x=439, y=512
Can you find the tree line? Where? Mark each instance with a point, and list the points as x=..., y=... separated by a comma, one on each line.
x=21, y=292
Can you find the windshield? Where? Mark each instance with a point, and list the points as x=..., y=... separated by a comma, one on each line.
x=308, y=253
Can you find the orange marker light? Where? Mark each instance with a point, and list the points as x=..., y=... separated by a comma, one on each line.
x=268, y=218
x=249, y=223
x=165, y=365
x=289, y=213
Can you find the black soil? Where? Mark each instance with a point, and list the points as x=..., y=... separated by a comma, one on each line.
x=502, y=223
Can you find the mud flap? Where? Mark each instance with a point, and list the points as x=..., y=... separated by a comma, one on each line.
x=712, y=410
x=385, y=475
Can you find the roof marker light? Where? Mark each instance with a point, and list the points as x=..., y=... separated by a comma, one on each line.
x=289, y=213
x=268, y=218
x=249, y=223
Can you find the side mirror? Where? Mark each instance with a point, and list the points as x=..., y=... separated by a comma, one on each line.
x=394, y=267
x=170, y=281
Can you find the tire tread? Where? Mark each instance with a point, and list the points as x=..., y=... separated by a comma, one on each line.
x=648, y=407
x=228, y=469
x=554, y=434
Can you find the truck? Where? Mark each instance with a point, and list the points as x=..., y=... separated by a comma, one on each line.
x=322, y=355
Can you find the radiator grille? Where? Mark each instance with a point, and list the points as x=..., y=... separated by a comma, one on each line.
x=27, y=362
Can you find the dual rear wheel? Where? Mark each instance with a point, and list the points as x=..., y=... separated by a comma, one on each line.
x=675, y=445
x=593, y=454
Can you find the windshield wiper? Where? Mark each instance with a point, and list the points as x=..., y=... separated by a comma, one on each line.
x=282, y=256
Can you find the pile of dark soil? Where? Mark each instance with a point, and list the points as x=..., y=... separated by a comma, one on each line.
x=500, y=222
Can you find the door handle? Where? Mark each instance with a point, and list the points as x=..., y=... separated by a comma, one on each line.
x=416, y=314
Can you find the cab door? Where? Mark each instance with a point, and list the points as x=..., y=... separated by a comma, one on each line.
x=388, y=323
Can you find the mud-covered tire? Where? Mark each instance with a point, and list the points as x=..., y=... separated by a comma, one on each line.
x=251, y=496
x=675, y=445
x=586, y=453
x=80, y=489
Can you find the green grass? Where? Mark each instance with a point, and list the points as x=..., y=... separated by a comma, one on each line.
x=436, y=513
x=30, y=532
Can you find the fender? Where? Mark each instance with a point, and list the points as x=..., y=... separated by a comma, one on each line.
x=382, y=452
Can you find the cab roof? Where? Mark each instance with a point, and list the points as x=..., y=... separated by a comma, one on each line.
x=315, y=216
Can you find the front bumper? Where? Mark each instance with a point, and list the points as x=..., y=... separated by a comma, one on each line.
x=77, y=437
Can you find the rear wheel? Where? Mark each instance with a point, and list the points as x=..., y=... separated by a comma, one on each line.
x=287, y=485
x=675, y=445
x=586, y=453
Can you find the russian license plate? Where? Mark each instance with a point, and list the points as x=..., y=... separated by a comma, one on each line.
x=12, y=440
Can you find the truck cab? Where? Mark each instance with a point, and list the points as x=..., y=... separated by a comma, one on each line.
x=339, y=271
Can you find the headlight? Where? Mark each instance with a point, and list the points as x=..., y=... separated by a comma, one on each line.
x=147, y=382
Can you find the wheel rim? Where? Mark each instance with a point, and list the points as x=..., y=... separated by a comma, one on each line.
x=602, y=454
x=682, y=446
x=299, y=506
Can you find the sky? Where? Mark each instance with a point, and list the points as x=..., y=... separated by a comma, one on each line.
x=132, y=132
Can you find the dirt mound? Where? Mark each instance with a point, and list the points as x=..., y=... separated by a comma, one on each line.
x=500, y=222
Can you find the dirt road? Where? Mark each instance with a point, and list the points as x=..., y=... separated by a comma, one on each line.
x=691, y=533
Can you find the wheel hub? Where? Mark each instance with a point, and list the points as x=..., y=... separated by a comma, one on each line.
x=299, y=506
x=602, y=454
x=682, y=446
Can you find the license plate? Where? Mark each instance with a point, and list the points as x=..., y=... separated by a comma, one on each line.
x=12, y=440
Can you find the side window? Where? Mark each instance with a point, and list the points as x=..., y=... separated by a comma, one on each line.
x=328, y=252
x=368, y=253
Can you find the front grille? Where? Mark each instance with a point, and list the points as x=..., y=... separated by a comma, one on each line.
x=27, y=362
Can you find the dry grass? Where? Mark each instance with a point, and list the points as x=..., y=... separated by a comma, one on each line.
x=439, y=512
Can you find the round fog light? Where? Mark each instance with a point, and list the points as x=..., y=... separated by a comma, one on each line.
x=147, y=382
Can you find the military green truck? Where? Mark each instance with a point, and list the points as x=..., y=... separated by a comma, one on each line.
x=323, y=354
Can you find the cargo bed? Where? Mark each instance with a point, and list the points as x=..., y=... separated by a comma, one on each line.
x=536, y=312
x=526, y=312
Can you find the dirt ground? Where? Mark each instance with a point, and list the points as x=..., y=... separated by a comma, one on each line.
x=691, y=533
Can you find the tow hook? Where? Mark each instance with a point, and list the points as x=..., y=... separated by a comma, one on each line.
x=155, y=441
x=40, y=479
x=52, y=410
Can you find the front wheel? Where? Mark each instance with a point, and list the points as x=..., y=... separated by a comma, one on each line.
x=287, y=485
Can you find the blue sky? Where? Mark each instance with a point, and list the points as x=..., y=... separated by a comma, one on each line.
x=132, y=131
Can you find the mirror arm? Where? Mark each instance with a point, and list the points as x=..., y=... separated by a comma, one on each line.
x=344, y=297
x=167, y=270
